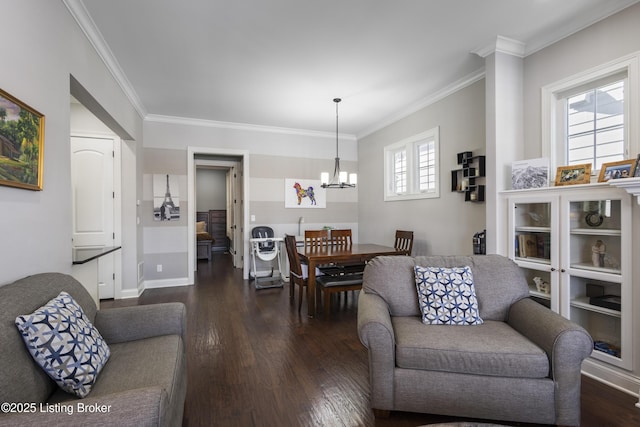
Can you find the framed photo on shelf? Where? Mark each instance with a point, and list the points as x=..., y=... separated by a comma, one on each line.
x=532, y=173
x=636, y=169
x=574, y=174
x=616, y=170
x=21, y=144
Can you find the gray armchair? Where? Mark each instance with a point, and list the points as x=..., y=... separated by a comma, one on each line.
x=144, y=382
x=521, y=365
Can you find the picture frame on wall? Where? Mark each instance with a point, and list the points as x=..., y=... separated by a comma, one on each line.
x=21, y=144
x=166, y=197
x=573, y=174
x=304, y=193
x=617, y=170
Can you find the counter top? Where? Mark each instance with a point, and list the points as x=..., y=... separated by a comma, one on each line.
x=84, y=255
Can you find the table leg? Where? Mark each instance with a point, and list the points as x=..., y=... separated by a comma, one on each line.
x=311, y=289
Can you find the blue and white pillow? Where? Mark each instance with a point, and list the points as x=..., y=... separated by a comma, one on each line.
x=65, y=344
x=447, y=296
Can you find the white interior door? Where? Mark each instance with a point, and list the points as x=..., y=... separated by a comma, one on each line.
x=92, y=178
x=238, y=229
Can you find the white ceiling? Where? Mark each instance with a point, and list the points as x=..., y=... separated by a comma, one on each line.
x=281, y=62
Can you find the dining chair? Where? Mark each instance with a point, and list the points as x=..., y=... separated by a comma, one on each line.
x=296, y=275
x=329, y=285
x=404, y=241
x=341, y=237
x=316, y=238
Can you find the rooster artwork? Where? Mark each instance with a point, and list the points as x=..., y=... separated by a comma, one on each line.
x=302, y=193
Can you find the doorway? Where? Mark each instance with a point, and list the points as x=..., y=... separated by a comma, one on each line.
x=236, y=162
x=88, y=119
x=214, y=203
x=94, y=179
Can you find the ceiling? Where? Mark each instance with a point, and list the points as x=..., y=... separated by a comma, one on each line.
x=279, y=63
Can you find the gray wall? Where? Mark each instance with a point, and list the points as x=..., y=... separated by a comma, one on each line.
x=274, y=155
x=444, y=225
x=211, y=189
x=603, y=42
x=36, y=225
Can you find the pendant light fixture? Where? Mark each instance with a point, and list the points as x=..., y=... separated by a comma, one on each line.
x=339, y=179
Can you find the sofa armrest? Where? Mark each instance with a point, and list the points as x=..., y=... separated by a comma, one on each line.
x=376, y=333
x=142, y=321
x=141, y=407
x=566, y=344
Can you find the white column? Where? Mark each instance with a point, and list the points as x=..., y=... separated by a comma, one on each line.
x=504, y=130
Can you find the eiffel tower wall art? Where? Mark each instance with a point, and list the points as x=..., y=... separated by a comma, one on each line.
x=166, y=198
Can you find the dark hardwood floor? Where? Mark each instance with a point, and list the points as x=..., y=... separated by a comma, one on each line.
x=253, y=360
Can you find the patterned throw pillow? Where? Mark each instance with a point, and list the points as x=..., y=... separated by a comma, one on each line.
x=447, y=296
x=65, y=344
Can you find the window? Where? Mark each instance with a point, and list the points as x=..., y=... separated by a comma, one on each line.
x=427, y=166
x=411, y=167
x=400, y=172
x=595, y=131
x=585, y=117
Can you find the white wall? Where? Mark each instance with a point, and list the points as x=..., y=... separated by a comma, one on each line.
x=441, y=226
x=45, y=49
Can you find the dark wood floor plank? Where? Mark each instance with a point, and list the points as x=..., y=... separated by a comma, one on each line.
x=253, y=360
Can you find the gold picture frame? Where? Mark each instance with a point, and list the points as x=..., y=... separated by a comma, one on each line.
x=21, y=144
x=616, y=170
x=573, y=174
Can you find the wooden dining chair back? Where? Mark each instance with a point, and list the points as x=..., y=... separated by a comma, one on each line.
x=404, y=241
x=296, y=276
x=316, y=238
x=341, y=237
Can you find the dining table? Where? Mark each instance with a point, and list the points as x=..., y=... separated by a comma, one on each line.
x=355, y=253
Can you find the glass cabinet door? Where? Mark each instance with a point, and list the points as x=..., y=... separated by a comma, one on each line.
x=595, y=262
x=534, y=228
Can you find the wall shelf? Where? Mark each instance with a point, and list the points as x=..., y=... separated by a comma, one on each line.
x=467, y=178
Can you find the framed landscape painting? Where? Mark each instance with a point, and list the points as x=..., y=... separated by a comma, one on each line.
x=21, y=144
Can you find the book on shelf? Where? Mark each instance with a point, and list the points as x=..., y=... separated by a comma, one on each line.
x=543, y=246
x=528, y=245
x=533, y=245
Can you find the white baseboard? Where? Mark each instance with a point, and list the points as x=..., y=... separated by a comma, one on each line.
x=130, y=293
x=615, y=378
x=166, y=283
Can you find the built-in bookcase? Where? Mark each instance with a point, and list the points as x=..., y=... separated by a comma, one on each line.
x=575, y=242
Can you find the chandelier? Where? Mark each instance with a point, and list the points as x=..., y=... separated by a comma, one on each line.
x=339, y=178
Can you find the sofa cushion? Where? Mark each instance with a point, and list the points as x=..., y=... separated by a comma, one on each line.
x=150, y=362
x=393, y=279
x=498, y=281
x=493, y=348
x=65, y=344
x=447, y=296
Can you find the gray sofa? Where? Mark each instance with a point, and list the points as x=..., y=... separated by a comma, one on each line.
x=521, y=365
x=142, y=384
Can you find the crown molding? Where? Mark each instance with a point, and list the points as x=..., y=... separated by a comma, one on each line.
x=87, y=25
x=243, y=127
x=502, y=45
x=425, y=102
